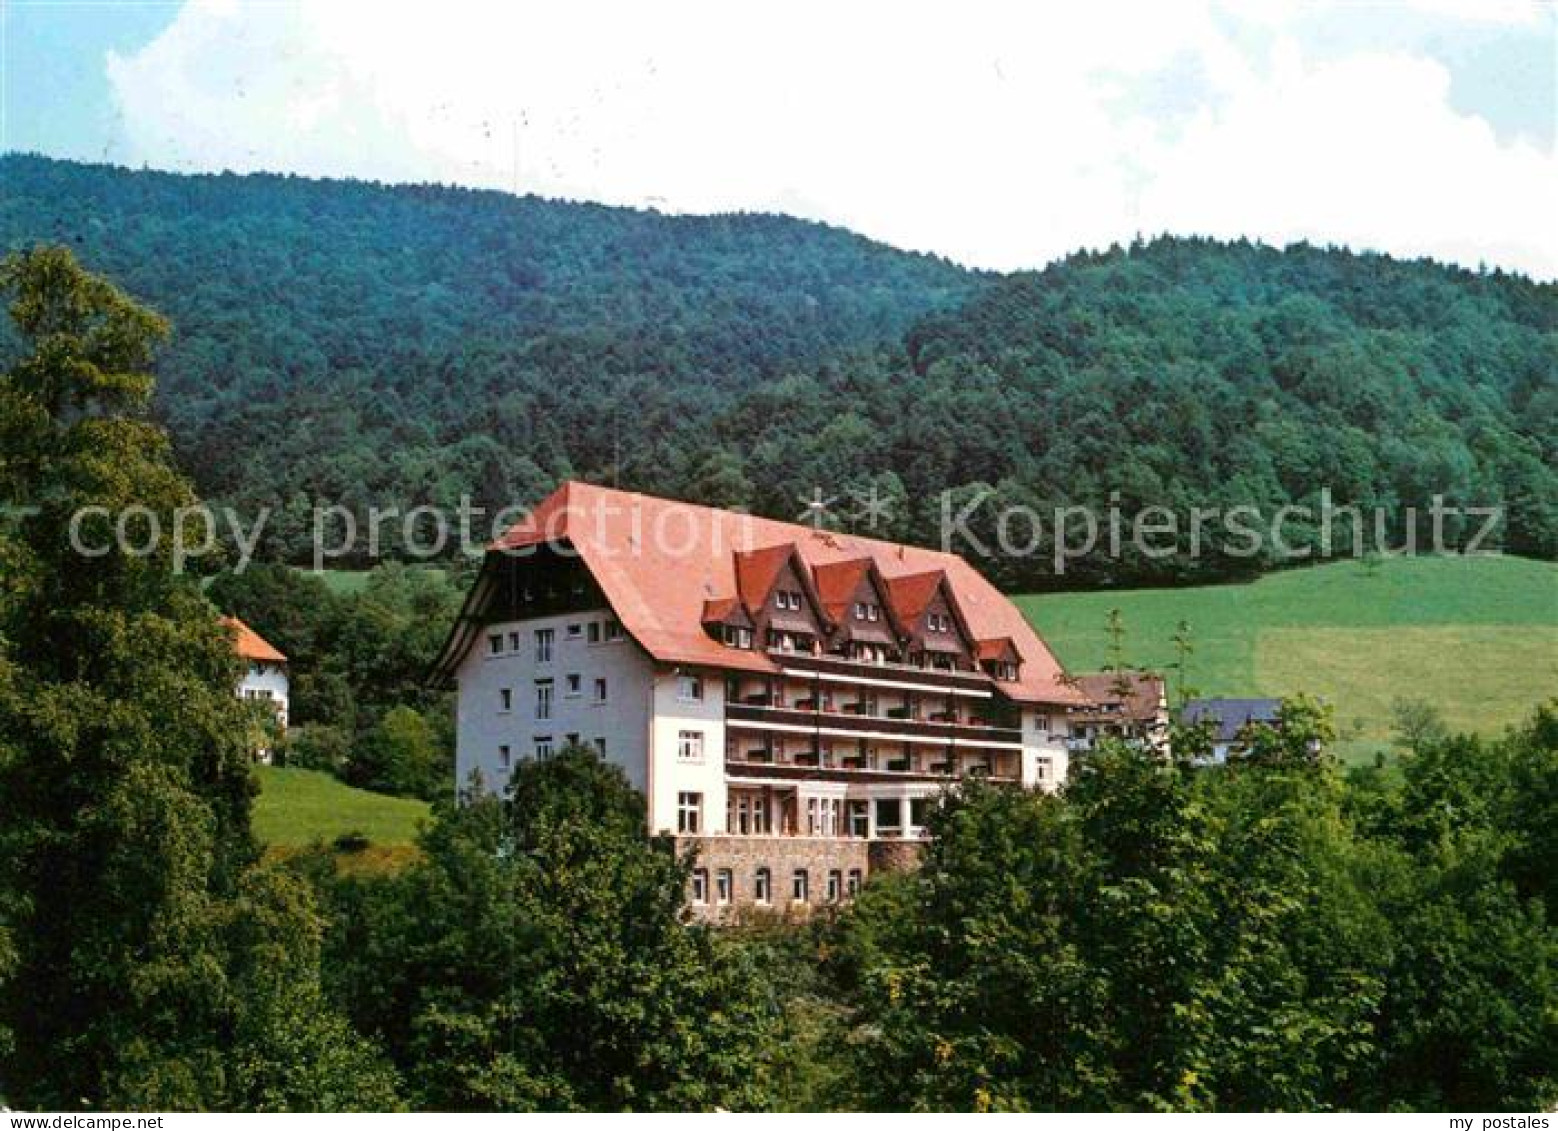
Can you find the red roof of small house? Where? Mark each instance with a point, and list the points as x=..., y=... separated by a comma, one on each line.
x=251, y=645
x=1132, y=695
x=659, y=562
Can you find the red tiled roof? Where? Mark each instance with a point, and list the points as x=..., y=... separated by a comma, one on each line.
x=657, y=561
x=251, y=645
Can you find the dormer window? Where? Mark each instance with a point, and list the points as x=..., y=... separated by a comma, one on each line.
x=860, y=610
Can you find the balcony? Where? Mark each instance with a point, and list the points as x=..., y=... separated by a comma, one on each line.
x=863, y=669
x=896, y=770
x=856, y=723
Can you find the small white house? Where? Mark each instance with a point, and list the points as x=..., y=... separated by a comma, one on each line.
x=265, y=674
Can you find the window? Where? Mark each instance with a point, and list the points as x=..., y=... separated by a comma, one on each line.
x=738, y=637
x=822, y=816
x=543, y=746
x=724, y=884
x=918, y=808
x=689, y=746
x=575, y=631
x=860, y=610
x=800, y=885
x=613, y=630
x=689, y=812
x=873, y=612
x=853, y=888
x=782, y=599
x=600, y=746
x=700, y=885
x=835, y=885
x=571, y=739
x=543, y=699
x=513, y=642
x=594, y=630
x=889, y=812
x=600, y=691
x=545, y=637
x=763, y=886
x=746, y=812
x=495, y=644
x=505, y=758
x=506, y=699
x=689, y=688
x=572, y=684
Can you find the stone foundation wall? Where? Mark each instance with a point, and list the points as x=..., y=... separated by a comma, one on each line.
x=783, y=856
x=896, y=855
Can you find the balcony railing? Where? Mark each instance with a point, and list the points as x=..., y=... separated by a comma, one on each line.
x=878, y=724
x=866, y=669
x=742, y=766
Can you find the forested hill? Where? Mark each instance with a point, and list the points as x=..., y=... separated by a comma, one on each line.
x=367, y=344
x=1189, y=372
x=355, y=340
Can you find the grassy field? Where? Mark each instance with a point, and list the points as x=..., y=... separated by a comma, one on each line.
x=1476, y=637
x=298, y=807
x=344, y=582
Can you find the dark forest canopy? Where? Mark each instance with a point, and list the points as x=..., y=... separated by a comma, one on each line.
x=371, y=345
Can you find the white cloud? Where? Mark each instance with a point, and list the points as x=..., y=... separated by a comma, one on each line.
x=1004, y=136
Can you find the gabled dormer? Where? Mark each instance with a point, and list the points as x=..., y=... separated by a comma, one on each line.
x=775, y=589
x=727, y=620
x=937, y=633
x=1000, y=659
x=855, y=597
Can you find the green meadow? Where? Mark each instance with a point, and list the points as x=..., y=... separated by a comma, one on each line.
x=297, y=808
x=1475, y=637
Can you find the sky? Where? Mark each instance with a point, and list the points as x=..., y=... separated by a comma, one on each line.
x=1002, y=136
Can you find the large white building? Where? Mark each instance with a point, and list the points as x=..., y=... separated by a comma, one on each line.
x=792, y=699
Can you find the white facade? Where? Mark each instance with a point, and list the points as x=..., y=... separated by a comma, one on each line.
x=1046, y=757
x=266, y=680
x=687, y=752
x=549, y=681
